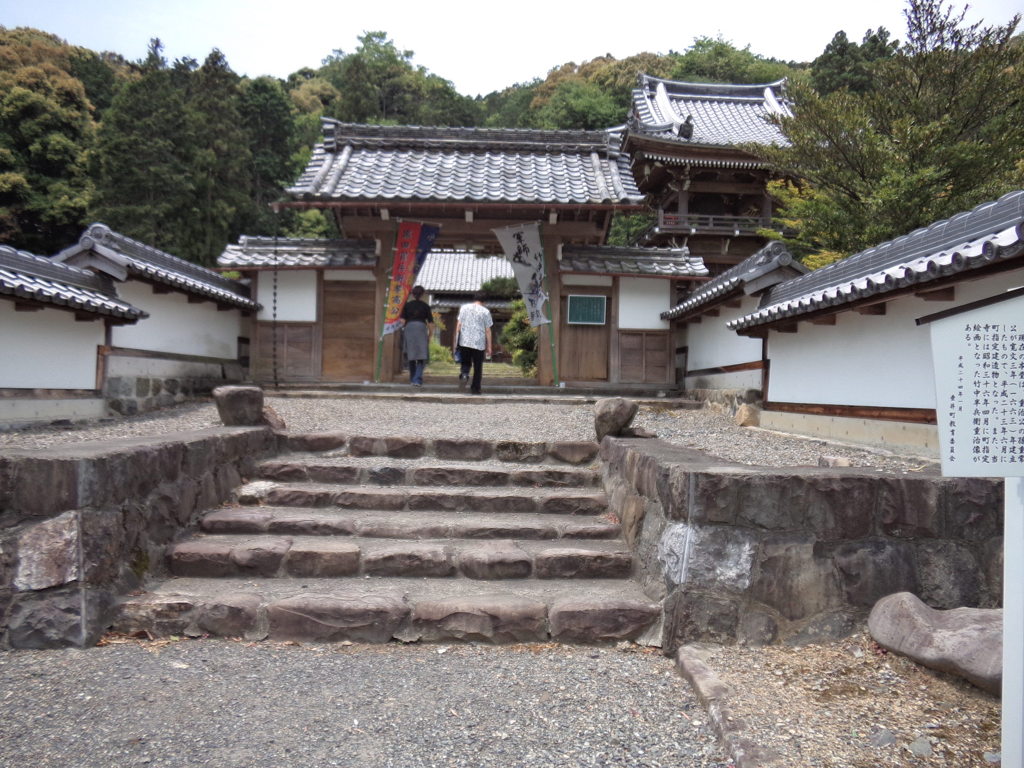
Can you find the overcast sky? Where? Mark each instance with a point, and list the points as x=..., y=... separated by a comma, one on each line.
x=480, y=46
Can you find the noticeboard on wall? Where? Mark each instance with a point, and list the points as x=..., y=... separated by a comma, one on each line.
x=587, y=310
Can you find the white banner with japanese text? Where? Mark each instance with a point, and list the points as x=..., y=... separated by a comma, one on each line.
x=522, y=247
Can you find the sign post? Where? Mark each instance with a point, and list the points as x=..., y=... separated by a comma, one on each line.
x=978, y=357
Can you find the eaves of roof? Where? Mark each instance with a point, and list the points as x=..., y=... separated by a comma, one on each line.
x=631, y=262
x=259, y=253
x=156, y=266
x=990, y=233
x=735, y=280
x=27, y=277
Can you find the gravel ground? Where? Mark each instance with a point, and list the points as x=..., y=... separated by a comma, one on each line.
x=273, y=705
x=705, y=430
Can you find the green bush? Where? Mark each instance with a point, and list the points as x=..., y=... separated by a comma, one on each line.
x=521, y=339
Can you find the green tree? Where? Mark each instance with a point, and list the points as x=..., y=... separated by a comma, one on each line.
x=142, y=164
x=847, y=65
x=941, y=131
x=268, y=121
x=579, y=105
x=718, y=61
x=46, y=131
x=501, y=288
x=519, y=337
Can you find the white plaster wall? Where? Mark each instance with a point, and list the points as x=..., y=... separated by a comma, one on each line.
x=641, y=302
x=47, y=349
x=176, y=326
x=868, y=360
x=296, y=295
x=712, y=345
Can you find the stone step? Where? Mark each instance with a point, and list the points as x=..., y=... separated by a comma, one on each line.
x=377, y=610
x=418, y=473
x=342, y=444
x=218, y=556
x=406, y=525
x=420, y=498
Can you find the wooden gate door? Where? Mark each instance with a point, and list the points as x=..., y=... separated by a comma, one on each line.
x=584, y=348
x=348, y=330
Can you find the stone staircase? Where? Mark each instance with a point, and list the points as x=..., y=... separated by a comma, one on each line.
x=374, y=539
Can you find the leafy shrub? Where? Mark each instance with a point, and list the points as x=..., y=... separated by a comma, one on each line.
x=521, y=339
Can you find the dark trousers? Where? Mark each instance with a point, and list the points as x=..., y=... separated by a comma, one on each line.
x=474, y=357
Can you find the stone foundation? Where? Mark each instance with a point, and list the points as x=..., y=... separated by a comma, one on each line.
x=81, y=524
x=726, y=400
x=765, y=555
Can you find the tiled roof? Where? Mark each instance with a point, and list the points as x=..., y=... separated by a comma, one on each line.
x=639, y=262
x=157, y=266
x=33, y=278
x=991, y=232
x=269, y=252
x=411, y=163
x=454, y=302
x=773, y=256
x=719, y=114
x=459, y=271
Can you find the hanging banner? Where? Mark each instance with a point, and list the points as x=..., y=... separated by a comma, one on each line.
x=412, y=244
x=522, y=247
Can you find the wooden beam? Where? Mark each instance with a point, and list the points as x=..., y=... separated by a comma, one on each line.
x=824, y=320
x=712, y=312
x=160, y=288
x=85, y=317
x=481, y=228
x=193, y=299
x=786, y=328
x=21, y=307
x=871, y=309
x=733, y=303
x=938, y=294
x=883, y=413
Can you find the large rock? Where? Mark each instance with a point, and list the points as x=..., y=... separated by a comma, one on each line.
x=239, y=406
x=612, y=415
x=967, y=642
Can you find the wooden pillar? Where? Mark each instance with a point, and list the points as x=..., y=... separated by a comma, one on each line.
x=545, y=367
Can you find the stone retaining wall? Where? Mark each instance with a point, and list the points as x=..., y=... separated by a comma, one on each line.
x=726, y=400
x=760, y=555
x=82, y=523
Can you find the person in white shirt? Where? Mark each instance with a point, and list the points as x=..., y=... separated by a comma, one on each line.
x=473, y=340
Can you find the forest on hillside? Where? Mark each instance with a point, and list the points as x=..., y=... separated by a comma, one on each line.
x=187, y=155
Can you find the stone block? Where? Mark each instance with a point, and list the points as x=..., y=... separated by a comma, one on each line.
x=756, y=628
x=235, y=520
x=501, y=502
x=439, y=501
x=68, y=617
x=367, y=499
x=384, y=528
x=966, y=642
x=260, y=557
x=328, y=473
x=949, y=574
x=554, y=478
x=239, y=406
x=826, y=627
x=972, y=507
x=696, y=616
x=495, y=561
x=327, y=559
x=284, y=471
x=600, y=620
x=41, y=487
x=503, y=527
x=48, y=554
x=290, y=496
x=233, y=615
x=367, y=618
x=480, y=618
x=301, y=523
x=316, y=442
x=464, y=450
x=747, y=416
x=160, y=615
x=909, y=507
x=715, y=557
x=581, y=504
x=202, y=558
x=385, y=476
x=791, y=577
x=103, y=545
x=573, y=452
x=427, y=476
x=409, y=559
x=612, y=415
x=514, y=451
x=581, y=563
x=872, y=569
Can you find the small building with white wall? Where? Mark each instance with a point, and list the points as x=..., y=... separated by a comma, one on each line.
x=53, y=319
x=194, y=337
x=714, y=363
x=847, y=359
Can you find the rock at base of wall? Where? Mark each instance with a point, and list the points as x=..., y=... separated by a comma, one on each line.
x=747, y=416
x=967, y=642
